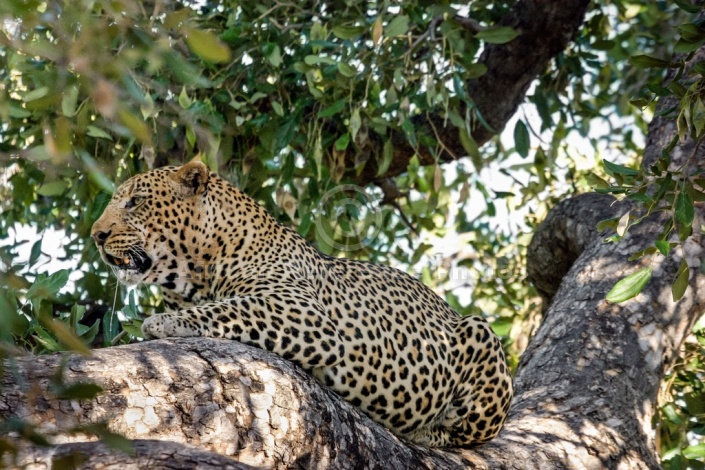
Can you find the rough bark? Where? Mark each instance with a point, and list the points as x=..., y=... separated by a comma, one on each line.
x=545, y=28
x=218, y=395
x=154, y=455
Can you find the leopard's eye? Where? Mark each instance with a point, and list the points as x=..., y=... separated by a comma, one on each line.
x=134, y=202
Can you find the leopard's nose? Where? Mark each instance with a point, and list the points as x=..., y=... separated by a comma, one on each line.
x=99, y=236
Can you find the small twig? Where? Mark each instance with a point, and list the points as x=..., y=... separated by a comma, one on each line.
x=391, y=194
x=118, y=337
x=390, y=191
x=469, y=24
x=404, y=218
x=430, y=32
x=439, y=139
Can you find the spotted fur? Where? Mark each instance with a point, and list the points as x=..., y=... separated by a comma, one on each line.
x=373, y=334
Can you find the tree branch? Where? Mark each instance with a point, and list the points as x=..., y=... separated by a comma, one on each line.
x=219, y=395
x=155, y=455
x=545, y=28
x=567, y=231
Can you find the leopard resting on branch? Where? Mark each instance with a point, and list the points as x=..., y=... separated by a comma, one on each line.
x=373, y=334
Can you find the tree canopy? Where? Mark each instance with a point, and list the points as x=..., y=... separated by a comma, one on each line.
x=431, y=136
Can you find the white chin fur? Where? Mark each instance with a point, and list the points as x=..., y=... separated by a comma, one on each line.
x=129, y=277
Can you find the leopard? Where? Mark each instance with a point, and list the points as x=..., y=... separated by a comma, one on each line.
x=375, y=335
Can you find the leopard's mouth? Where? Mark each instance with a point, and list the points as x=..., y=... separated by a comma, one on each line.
x=137, y=260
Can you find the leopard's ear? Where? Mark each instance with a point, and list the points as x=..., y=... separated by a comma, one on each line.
x=192, y=178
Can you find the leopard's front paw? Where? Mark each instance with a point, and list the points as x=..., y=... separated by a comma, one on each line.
x=153, y=327
x=169, y=324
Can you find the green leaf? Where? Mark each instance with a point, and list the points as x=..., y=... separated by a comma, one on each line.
x=475, y=70
x=671, y=414
x=49, y=286
x=342, y=142
x=45, y=339
x=277, y=107
x=275, y=56
x=12, y=321
x=615, y=169
x=685, y=47
x=111, y=439
x=687, y=6
x=111, y=327
x=346, y=70
x=639, y=254
x=68, y=101
x=630, y=286
x=133, y=327
x=596, y=182
x=35, y=94
x=663, y=246
x=79, y=391
x=387, y=156
x=355, y=123
x=16, y=111
x=521, y=139
x=96, y=174
x=680, y=284
x=645, y=61
x=608, y=224
x=410, y=131
x=502, y=326
x=97, y=132
x=184, y=100
x=89, y=335
x=67, y=337
x=685, y=211
x=471, y=147
x=324, y=234
x=207, y=46
x=499, y=35
x=348, y=32
x=698, y=116
x=691, y=32
x=317, y=59
x=603, y=44
x=696, y=452
x=35, y=252
x=333, y=109
x=397, y=27
x=138, y=128
x=53, y=188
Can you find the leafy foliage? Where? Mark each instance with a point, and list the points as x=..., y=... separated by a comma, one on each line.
x=293, y=102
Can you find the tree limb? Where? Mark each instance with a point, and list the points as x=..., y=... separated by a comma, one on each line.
x=567, y=231
x=545, y=28
x=218, y=395
x=151, y=454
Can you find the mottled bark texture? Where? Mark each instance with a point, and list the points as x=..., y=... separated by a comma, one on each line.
x=545, y=28
x=146, y=454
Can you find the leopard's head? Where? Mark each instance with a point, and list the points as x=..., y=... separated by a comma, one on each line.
x=144, y=228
